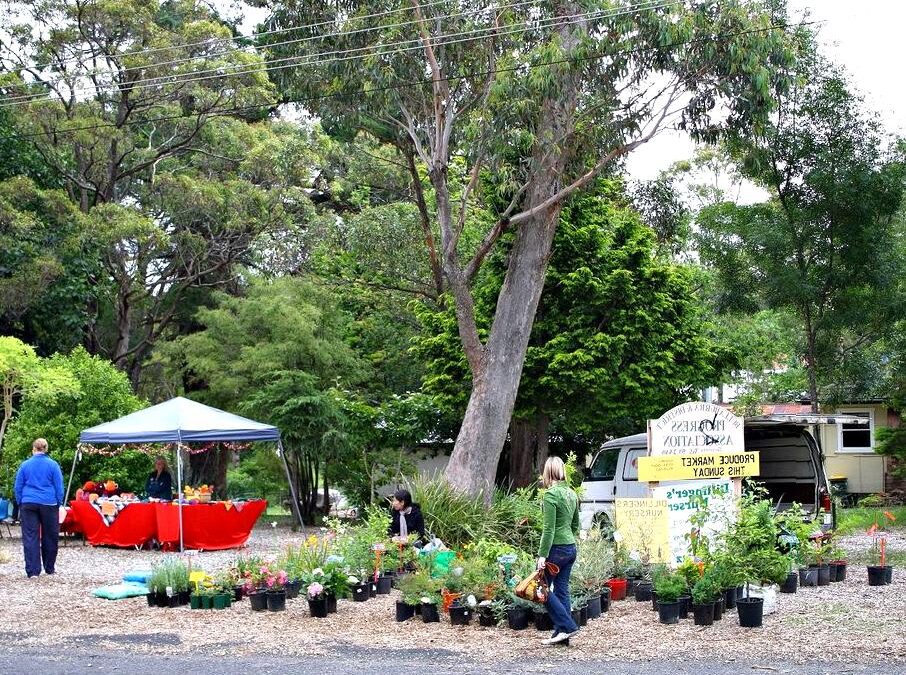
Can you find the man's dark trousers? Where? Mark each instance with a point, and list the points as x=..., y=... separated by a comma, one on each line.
x=40, y=535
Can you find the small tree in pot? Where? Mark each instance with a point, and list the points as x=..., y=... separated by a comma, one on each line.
x=669, y=586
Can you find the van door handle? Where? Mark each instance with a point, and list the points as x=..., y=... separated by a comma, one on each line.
x=614, y=489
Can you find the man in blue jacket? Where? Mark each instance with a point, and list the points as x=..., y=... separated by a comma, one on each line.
x=39, y=493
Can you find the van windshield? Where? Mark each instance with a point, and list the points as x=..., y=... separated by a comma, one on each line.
x=605, y=465
x=788, y=465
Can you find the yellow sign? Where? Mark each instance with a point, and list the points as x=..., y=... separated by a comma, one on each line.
x=642, y=526
x=697, y=467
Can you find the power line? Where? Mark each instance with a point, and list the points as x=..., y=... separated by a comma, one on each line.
x=361, y=52
x=225, y=112
x=155, y=64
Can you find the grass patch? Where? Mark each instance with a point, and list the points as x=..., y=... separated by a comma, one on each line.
x=895, y=558
x=276, y=510
x=850, y=521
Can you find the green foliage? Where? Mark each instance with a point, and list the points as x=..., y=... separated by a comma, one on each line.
x=458, y=518
x=891, y=442
x=98, y=393
x=594, y=561
x=418, y=585
x=259, y=474
x=171, y=573
x=669, y=587
x=706, y=588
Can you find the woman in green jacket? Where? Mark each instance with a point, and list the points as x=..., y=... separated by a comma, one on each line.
x=560, y=511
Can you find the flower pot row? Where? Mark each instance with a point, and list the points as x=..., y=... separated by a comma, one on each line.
x=819, y=575
x=164, y=600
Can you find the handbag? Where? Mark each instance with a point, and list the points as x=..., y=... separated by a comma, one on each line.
x=534, y=587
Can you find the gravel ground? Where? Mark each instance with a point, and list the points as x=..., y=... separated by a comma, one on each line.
x=846, y=623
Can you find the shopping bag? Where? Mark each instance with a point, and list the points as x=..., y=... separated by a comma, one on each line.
x=534, y=587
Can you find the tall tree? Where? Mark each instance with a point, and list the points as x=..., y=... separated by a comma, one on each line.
x=619, y=336
x=514, y=110
x=824, y=245
x=113, y=99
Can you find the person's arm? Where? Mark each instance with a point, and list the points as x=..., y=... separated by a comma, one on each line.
x=418, y=524
x=575, y=525
x=165, y=486
x=549, y=518
x=58, y=484
x=20, y=483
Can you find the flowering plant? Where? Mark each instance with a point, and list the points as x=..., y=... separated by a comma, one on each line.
x=315, y=591
x=254, y=576
x=878, y=551
x=276, y=581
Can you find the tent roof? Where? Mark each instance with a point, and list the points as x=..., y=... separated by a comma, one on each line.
x=179, y=420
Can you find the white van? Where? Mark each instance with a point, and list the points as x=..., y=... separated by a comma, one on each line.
x=791, y=464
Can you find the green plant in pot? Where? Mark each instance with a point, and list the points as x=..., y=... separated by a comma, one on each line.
x=669, y=587
x=704, y=594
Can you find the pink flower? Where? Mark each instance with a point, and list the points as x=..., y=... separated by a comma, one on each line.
x=315, y=589
x=282, y=577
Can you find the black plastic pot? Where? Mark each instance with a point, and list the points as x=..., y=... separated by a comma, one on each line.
x=631, y=583
x=720, y=606
x=643, y=591
x=750, y=612
x=292, y=589
x=152, y=599
x=517, y=618
x=276, y=601
x=238, y=593
x=888, y=574
x=384, y=584
x=184, y=597
x=486, y=617
x=685, y=606
x=258, y=600
x=430, y=613
x=361, y=592
x=833, y=567
x=372, y=589
x=460, y=615
x=331, y=603
x=404, y=611
x=605, y=600
x=594, y=607
x=583, y=615
x=543, y=620
x=730, y=598
x=841, y=570
x=703, y=614
x=791, y=583
x=877, y=575
x=669, y=612
x=808, y=576
x=577, y=616
x=823, y=575
x=318, y=607
x=654, y=600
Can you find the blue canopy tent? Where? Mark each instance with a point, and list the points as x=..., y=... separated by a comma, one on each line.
x=181, y=421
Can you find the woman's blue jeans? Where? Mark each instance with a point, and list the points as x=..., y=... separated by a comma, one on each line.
x=558, y=606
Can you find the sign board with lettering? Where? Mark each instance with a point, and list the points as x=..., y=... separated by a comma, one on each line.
x=695, y=428
x=684, y=500
x=690, y=467
x=643, y=528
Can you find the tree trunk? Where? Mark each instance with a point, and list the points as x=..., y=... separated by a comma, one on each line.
x=811, y=363
x=473, y=464
x=208, y=468
x=528, y=449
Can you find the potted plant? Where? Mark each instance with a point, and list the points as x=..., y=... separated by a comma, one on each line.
x=837, y=557
x=704, y=597
x=276, y=590
x=518, y=612
x=618, y=583
x=669, y=586
x=879, y=572
x=334, y=580
x=489, y=612
x=317, y=600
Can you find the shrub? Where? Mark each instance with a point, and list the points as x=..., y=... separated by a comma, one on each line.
x=669, y=587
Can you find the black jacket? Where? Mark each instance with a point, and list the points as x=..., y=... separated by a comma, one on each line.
x=415, y=523
x=160, y=488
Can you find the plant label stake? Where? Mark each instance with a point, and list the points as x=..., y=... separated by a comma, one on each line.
x=378, y=552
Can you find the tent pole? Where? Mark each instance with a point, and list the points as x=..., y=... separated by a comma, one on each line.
x=75, y=458
x=292, y=487
x=179, y=489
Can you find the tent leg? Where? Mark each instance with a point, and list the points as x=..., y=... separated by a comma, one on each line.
x=292, y=487
x=179, y=490
x=75, y=458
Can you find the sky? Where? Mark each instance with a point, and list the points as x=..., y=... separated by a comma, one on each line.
x=864, y=36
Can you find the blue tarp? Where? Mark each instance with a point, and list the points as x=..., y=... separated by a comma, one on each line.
x=179, y=420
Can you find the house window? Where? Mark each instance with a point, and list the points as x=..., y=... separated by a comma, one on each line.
x=857, y=437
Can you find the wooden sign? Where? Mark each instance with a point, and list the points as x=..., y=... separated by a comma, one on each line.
x=698, y=467
x=642, y=527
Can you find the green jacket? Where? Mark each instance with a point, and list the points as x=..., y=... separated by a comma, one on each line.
x=560, y=510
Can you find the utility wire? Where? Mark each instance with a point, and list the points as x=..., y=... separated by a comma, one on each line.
x=225, y=112
x=360, y=52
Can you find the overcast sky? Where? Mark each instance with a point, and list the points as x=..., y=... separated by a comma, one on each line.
x=865, y=36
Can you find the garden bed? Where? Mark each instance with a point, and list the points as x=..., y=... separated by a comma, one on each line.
x=847, y=622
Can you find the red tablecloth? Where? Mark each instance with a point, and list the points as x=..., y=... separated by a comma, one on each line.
x=205, y=526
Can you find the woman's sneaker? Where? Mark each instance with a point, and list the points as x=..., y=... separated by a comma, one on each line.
x=561, y=637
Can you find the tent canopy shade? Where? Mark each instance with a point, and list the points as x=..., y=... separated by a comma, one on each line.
x=179, y=420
